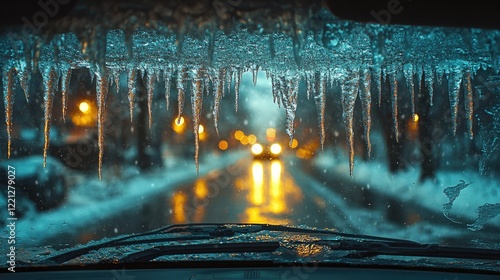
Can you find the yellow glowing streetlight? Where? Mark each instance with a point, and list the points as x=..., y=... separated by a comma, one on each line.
x=201, y=129
x=271, y=134
x=244, y=140
x=223, y=145
x=238, y=135
x=84, y=107
x=179, y=125
x=294, y=144
x=252, y=139
x=179, y=121
x=416, y=118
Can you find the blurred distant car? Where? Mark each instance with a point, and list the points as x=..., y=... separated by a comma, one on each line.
x=43, y=188
x=266, y=151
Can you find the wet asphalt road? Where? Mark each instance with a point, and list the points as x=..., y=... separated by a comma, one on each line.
x=251, y=191
x=279, y=192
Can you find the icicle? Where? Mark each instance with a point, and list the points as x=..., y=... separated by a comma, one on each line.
x=49, y=81
x=132, y=73
x=56, y=44
x=298, y=45
x=408, y=73
x=28, y=54
x=349, y=94
x=65, y=81
x=310, y=83
x=168, y=81
x=8, y=98
x=429, y=81
x=394, y=101
x=418, y=72
x=24, y=75
x=223, y=80
x=255, y=73
x=272, y=51
x=37, y=50
x=276, y=89
x=206, y=84
x=211, y=45
x=377, y=78
x=227, y=82
x=454, y=81
x=237, y=81
x=151, y=77
x=320, y=100
x=115, y=74
x=218, y=91
x=181, y=79
x=102, y=85
x=366, y=103
x=289, y=94
x=268, y=75
x=439, y=75
x=196, y=105
x=469, y=103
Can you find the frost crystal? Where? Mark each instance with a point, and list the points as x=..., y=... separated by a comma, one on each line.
x=452, y=193
x=485, y=213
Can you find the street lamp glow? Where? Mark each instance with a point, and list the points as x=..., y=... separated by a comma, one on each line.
x=416, y=118
x=276, y=148
x=223, y=145
x=179, y=121
x=201, y=129
x=84, y=107
x=252, y=139
x=238, y=135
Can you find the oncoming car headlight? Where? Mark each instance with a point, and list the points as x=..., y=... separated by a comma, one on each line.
x=276, y=148
x=257, y=149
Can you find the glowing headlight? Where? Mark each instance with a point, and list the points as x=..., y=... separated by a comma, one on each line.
x=257, y=149
x=276, y=148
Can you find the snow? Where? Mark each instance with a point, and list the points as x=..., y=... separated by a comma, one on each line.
x=93, y=201
x=406, y=187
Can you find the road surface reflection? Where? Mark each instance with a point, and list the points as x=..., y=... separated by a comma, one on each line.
x=260, y=193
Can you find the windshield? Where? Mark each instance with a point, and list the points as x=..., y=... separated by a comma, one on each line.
x=121, y=118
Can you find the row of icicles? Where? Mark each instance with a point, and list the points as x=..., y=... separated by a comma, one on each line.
x=285, y=89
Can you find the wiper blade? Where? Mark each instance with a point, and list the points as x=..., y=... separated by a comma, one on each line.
x=241, y=247
x=203, y=231
x=366, y=249
x=230, y=229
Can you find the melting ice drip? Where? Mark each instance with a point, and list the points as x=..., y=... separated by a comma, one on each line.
x=352, y=55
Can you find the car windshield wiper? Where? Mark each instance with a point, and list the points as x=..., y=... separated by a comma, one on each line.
x=240, y=247
x=201, y=231
x=367, y=249
x=361, y=246
x=357, y=249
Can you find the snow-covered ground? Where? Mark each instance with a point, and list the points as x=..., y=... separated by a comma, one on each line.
x=92, y=201
x=406, y=187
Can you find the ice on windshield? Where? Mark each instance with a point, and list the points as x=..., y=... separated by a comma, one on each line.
x=349, y=54
x=380, y=127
